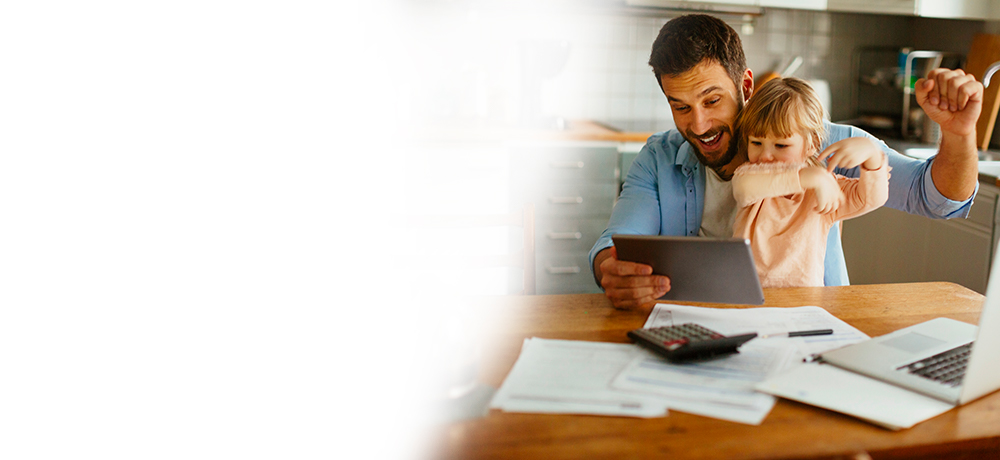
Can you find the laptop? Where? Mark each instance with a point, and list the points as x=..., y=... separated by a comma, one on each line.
x=719, y=270
x=948, y=360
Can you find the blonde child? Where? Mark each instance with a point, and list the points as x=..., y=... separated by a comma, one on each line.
x=787, y=200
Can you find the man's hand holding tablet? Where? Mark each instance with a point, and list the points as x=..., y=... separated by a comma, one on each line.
x=628, y=284
x=698, y=269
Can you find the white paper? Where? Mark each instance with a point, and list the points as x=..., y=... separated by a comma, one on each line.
x=721, y=388
x=573, y=377
x=843, y=391
x=764, y=320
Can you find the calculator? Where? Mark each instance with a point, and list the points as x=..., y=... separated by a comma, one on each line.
x=688, y=342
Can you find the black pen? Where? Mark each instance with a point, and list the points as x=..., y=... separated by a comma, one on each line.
x=799, y=333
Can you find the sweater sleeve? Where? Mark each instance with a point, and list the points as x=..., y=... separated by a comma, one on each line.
x=753, y=182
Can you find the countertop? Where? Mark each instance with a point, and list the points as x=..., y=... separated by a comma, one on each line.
x=588, y=130
x=989, y=167
x=563, y=130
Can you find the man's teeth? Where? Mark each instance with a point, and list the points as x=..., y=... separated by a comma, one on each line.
x=709, y=140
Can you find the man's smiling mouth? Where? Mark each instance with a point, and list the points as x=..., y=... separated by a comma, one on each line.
x=711, y=139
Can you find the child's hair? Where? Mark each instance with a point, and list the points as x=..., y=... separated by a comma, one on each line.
x=782, y=107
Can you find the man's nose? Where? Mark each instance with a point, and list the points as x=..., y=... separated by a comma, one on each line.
x=701, y=122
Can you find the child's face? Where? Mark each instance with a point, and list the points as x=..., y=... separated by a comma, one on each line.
x=770, y=148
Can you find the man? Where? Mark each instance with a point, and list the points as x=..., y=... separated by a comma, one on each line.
x=679, y=184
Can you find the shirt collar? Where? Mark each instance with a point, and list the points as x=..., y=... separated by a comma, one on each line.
x=686, y=159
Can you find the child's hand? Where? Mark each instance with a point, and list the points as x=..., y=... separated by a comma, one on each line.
x=852, y=152
x=828, y=193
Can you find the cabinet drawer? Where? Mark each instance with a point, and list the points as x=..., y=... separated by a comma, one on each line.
x=567, y=235
x=566, y=164
x=569, y=200
x=564, y=275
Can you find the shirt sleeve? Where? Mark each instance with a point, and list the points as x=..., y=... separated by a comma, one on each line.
x=864, y=194
x=637, y=210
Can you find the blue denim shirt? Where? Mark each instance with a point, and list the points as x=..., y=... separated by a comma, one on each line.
x=664, y=194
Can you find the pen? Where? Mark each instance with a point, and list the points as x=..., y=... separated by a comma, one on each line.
x=813, y=358
x=799, y=333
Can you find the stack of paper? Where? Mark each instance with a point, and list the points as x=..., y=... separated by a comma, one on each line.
x=561, y=376
x=573, y=377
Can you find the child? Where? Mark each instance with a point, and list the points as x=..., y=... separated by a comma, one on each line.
x=787, y=201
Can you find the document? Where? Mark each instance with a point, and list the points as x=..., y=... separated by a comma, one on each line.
x=576, y=377
x=573, y=377
x=726, y=388
x=721, y=388
x=843, y=391
x=764, y=320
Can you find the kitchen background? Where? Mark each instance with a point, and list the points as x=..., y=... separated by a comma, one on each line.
x=477, y=62
x=482, y=84
x=486, y=106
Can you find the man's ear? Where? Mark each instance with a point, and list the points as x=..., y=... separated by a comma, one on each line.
x=747, y=85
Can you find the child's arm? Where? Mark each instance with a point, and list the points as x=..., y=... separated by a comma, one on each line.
x=871, y=189
x=852, y=152
x=828, y=194
x=753, y=182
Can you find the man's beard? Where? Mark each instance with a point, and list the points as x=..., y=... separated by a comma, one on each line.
x=723, y=158
x=732, y=149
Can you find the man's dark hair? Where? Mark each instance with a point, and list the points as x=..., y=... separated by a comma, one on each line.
x=687, y=40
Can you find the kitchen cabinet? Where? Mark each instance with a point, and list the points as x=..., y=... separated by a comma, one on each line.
x=692, y=4
x=955, y=9
x=795, y=4
x=890, y=246
x=573, y=186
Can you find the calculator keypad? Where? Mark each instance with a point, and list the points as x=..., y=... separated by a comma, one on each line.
x=688, y=341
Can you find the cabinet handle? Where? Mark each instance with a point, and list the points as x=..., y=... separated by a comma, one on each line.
x=566, y=199
x=563, y=270
x=566, y=164
x=565, y=235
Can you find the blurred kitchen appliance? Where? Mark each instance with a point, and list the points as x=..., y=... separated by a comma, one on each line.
x=785, y=69
x=909, y=81
x=884, y=97
x=984, y=51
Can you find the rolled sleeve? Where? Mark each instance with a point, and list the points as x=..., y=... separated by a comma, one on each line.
x=941, y=205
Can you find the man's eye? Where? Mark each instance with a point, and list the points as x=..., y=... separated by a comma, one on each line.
x=714, y=101
x=680, y=108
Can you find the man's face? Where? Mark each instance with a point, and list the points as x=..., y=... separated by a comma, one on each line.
x=705, y=102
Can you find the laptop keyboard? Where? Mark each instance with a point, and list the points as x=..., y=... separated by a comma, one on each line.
x=947, y=368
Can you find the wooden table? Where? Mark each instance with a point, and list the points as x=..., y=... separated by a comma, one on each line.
x=791, y=430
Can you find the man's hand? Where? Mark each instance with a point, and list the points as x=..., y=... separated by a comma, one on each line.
x=952, y=99
x=628, y=284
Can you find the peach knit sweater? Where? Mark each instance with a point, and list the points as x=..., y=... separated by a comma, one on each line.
x=787, y=235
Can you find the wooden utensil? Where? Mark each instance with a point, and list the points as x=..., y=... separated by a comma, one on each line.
x=985, y=50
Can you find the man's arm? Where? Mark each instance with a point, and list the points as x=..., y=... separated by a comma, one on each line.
x=954, y=100
x=637, y=211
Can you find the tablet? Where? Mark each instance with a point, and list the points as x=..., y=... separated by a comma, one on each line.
x=718, y=270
